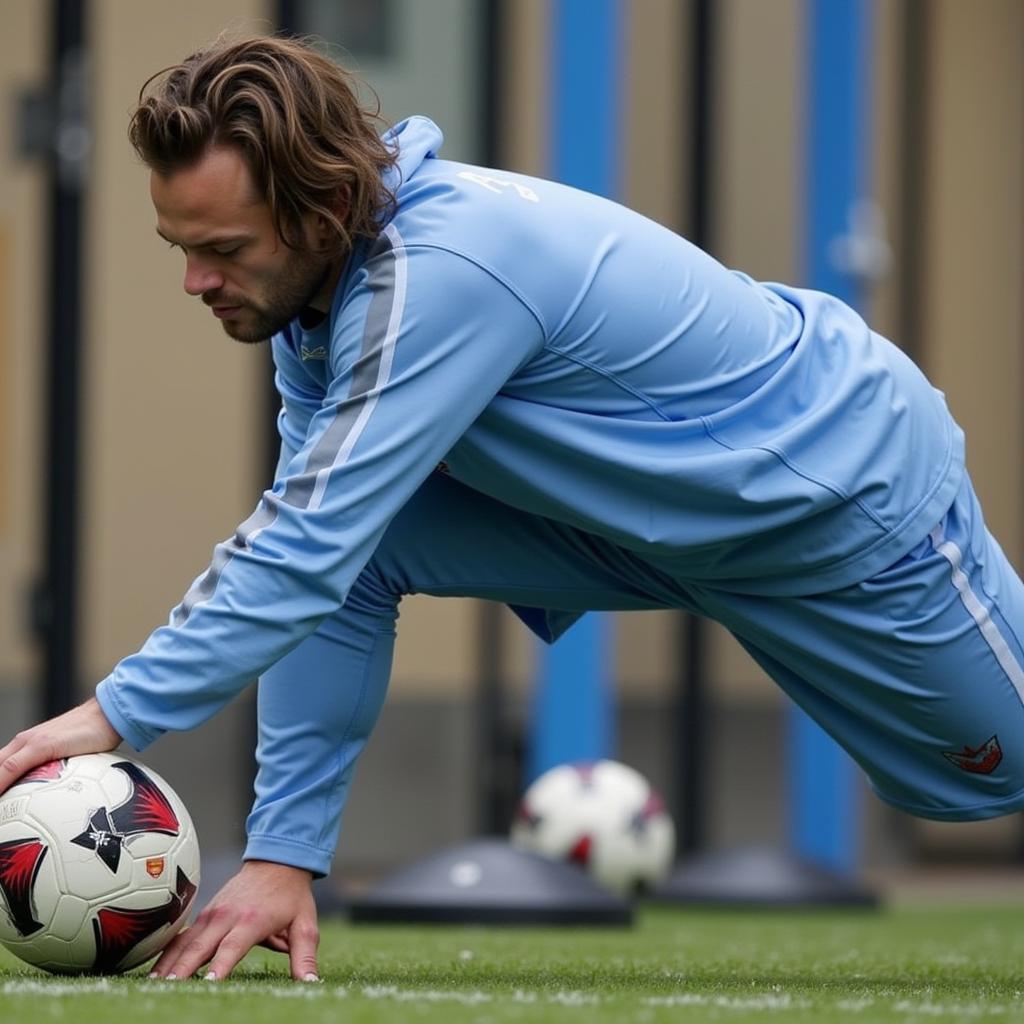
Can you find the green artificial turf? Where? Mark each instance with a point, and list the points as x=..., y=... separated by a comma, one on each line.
x=911, y=964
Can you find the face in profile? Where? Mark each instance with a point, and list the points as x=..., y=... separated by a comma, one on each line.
x=235, y=260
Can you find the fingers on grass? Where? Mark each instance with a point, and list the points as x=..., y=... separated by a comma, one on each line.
x=162, y=967
x=230, y=951
x=303, y=939
x=189, y=950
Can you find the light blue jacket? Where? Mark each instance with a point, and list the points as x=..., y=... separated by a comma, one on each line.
x=572, y=358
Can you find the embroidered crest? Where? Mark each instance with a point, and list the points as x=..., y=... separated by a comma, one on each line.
x=982, y=761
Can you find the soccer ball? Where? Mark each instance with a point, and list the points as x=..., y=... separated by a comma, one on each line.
x=602, y=815
x=99, y=865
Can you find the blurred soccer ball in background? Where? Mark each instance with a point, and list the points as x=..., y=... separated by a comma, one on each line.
x=99, y=865
x=603, y=816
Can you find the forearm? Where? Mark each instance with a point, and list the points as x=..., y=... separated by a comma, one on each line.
x=187, y=671
x=316, y=709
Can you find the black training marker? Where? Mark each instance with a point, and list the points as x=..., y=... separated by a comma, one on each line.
x=759, y=877
x=489, y=881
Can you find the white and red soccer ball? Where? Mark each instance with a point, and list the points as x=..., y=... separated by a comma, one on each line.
x=603, y=816
x=99, y=865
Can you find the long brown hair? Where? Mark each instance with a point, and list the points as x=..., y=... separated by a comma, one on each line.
x=294, y=115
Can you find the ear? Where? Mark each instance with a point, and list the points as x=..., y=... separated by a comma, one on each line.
x=322, y=226
x=321, y=230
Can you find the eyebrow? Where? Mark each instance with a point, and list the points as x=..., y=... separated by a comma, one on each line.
x=208, y=243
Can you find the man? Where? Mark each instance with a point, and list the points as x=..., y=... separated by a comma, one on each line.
x=501, y=387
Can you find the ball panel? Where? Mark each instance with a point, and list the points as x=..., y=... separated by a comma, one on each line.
x=49, y=772
x=28, y=880
x=69, y=918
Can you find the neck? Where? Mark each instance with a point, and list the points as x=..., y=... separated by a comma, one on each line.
x=321, y=301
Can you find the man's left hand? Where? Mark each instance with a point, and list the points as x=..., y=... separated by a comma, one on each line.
x=265, y=904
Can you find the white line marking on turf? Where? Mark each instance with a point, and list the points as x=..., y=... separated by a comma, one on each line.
x=54, y=988
x=766, y=1002
x=58, y=988
x=426, y=995
x=573, y=999
x=66, y=988
x=960, y=1011
x=855, y=1005
x=100, y=986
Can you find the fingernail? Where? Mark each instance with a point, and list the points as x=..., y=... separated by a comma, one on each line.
x=172, y=977
x=311, y=977
x=210, y=976
x=152, y=974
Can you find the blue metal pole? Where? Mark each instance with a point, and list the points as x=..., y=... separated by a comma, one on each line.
x=572, y=709
x=573, y=714
x=584, y=128
x=825, y=805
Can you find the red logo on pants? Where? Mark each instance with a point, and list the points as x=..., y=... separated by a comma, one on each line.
x=982, y=761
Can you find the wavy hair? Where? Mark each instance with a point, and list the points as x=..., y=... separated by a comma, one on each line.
x=293, y=114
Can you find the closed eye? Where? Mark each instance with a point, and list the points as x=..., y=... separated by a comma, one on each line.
x=230, y=250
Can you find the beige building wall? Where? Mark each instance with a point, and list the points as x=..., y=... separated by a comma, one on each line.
x=889, y=149
x=525, y=87
x=173, y=436
x=656, y=120
x=23, y=57
x=974, y=244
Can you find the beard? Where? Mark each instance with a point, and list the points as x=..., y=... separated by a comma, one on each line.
x=291, y=291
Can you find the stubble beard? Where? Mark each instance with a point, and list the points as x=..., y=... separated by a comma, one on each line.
x=291, y=291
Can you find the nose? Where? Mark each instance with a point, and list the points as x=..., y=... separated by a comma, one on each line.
x=200, y=277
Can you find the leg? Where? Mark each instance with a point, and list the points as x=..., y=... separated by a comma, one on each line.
x=451, y=541
x=318, y=704
x=916, y=672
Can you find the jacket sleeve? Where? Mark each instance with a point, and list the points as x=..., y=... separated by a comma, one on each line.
x=425, y=338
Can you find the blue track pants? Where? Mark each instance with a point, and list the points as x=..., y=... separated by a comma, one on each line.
x=917, y=672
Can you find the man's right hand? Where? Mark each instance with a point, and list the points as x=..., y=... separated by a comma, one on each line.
x=82, y=730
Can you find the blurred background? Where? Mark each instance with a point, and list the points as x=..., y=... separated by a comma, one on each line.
x=113, y=491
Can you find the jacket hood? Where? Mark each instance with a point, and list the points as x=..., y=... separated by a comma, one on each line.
x=416, y=139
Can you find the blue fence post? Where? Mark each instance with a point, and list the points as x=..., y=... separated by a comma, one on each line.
x=573, y=708
x=825, y=804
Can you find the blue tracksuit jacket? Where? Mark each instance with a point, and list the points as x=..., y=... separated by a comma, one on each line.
x=569, y=357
